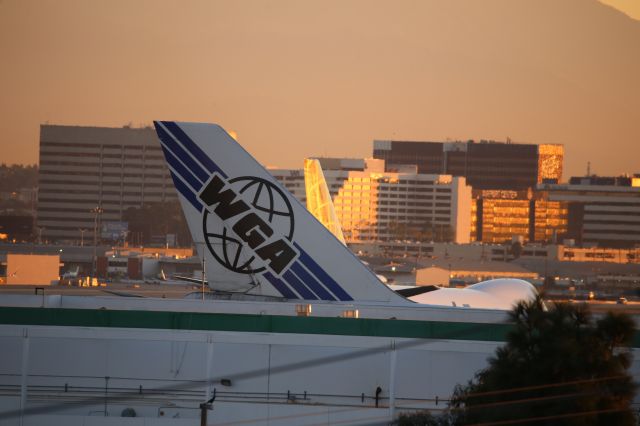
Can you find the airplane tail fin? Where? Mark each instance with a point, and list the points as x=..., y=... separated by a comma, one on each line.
x=319, y=199
x=251, y=232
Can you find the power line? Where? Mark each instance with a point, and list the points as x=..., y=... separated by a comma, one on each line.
x=554, y=417
x=508, y=422
x=474, y=407
x=544, y=386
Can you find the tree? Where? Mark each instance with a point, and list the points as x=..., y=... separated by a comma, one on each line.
x=14, y=180
x=559, y=364
x=423, y=418
x=157, y=219
x=16, y=176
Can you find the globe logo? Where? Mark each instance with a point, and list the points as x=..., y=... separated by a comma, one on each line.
x=270, y=203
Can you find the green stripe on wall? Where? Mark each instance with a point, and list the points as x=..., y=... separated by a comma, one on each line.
x=252, y=323
x=162, y=320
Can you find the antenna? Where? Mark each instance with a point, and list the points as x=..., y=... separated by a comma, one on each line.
x=588, y=168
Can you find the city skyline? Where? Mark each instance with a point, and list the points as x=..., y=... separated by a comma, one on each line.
x=308, y=79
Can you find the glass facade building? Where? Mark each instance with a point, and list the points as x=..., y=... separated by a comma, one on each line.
x=485, y=164
x=499, y=216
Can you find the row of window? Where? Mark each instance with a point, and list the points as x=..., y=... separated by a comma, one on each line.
x=97, y=183
x=62, y=228
x=117, y=202
x=47, y=162
x=436, y=220
x=97, y=193
x=73, y=210
x=97, y=155
x=89, y=220
x=104, y=174
x=413, y=197
x=94, y=145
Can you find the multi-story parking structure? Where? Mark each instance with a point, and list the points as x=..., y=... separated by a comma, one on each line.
x=92, y=175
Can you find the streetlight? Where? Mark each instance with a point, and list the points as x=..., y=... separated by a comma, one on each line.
x=40, y=229
x=82, y=231
x=97, y=211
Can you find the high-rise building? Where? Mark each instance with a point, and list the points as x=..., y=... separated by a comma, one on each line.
x=529, y=216
x=603, y=211
x=485, y=164
x=92, y=175
x=372, y=204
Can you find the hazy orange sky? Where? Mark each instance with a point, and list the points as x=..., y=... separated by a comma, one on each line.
x=302, y=78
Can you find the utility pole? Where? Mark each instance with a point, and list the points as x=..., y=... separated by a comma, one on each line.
x=40, y=229
x=204, y=274
x=206, y=406
x=97, y=211
x=82, y=231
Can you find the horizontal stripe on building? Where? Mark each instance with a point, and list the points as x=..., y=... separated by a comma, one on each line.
x=50, y=163
x=253, y=323
x=104, y=184
x=69, y=173
x=600, y=227
x=99, y=155
x=613, y=211
x=151, y=147
x=631, y=233
x=74, y=210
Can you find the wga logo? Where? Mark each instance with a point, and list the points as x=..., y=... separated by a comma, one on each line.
x=248, y=224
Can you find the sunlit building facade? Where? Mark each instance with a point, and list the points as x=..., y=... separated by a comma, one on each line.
x=404, y=206
x=500, y=216
x=374, y=205
x=527, y=216
x=550, y=219
x=550, y=157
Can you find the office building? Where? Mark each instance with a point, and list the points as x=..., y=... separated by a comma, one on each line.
x=293, y=180
x=89, y=176
x=485, y=164
x=496, y=252
x=526, y=216
x=372, y=204
x=602, y=211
